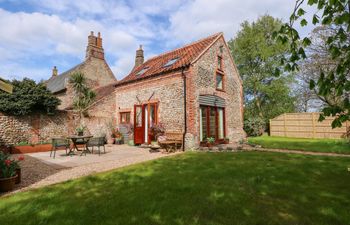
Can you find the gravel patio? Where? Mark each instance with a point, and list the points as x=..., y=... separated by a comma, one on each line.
x=39, y=169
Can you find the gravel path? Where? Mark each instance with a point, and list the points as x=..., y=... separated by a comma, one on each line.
x=36, y=173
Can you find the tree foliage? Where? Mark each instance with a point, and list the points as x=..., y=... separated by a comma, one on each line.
x=28, y=97
x=333, y=82
x=83, y=95
x=257, y=55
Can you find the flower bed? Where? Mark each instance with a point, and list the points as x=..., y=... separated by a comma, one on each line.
x=22, y=149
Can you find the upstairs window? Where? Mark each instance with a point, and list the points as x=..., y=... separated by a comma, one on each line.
x=219, y=81
x=220, y=63
x=170, y=62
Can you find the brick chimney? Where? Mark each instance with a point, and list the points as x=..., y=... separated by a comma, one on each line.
x=139, y=57
x=94, y=47
x=54, y=71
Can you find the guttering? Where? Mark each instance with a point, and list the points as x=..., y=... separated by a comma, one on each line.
x=185, y=106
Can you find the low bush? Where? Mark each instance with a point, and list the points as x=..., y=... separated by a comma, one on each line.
x=254, y=126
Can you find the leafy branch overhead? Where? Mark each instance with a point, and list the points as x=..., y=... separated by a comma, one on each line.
x=333, y=83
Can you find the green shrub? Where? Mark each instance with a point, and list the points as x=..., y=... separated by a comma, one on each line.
x=254, y=126
x=28, y=97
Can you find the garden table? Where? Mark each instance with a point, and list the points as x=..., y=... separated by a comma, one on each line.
x=80, y=140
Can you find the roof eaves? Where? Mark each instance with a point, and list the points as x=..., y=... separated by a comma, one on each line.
x=151, y=76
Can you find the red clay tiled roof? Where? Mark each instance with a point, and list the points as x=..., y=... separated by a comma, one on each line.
x=101, y=92
x=155, y=65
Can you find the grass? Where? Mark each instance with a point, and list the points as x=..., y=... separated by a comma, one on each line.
x=196, y=188
x=312, y=145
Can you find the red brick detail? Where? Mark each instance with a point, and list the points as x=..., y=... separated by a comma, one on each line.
x=190, y=103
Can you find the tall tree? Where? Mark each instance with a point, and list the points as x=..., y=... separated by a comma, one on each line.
x=318, y=59
x=83, y=95
x=257, y=56
x=332, y=83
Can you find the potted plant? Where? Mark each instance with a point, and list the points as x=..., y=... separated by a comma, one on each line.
x=80, y=130
x=8, y=171
x=210, y=141
x=226, y=140
x=157, y=130
x=118, y=137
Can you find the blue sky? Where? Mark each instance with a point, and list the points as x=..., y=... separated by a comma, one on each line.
x=38, y=34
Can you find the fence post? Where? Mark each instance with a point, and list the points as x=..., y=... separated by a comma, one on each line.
x=313, y=125
x=284, y=123
x=270, y=127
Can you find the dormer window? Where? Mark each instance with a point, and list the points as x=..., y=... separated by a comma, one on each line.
x=142, y=71
x=170, y=62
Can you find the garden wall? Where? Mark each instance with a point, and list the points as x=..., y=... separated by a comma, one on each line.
x=37, y=128
x=305, y=125
x=40, y=128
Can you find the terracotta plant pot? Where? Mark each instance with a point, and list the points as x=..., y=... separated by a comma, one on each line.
x=7, y=184
x=110, y=141
x=209, y=145
x=19, y=175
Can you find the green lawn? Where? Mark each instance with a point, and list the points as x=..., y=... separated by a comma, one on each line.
x=196, y=188
x=313, y=145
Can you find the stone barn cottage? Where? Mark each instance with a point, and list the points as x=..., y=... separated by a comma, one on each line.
x=195, y=89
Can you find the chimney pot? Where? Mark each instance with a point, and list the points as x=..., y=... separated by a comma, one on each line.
x=94, y=47
x=54, y=71
x=139, y=59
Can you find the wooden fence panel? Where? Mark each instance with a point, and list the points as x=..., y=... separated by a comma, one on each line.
x=305, y=125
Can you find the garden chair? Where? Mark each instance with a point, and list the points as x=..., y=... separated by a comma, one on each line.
x=97, y=142
x=58, y=144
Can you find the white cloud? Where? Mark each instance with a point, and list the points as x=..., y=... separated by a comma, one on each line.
x=58, y=30
x=199, y=18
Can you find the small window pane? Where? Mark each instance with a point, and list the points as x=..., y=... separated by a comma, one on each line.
x=138, y=116
x=219, y=63
x=219, y=81
x=221, y=123
x=170, y=62
x=203, y=124
x=152, y=115
x=125, y=117
x=212, y=122
x=142, y=71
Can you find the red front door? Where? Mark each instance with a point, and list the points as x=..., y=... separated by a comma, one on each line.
x=139, y=125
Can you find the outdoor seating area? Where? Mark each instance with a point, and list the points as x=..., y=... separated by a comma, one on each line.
x=41, y=169
x=75, y=143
